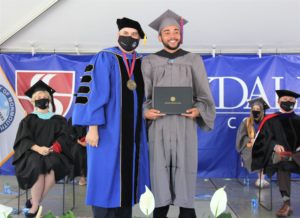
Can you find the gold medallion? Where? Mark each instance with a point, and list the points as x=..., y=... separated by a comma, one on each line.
x=131, y=85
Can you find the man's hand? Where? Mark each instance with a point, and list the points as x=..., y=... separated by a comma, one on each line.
x=279, y=148
x=92, y=136
x=192, y=113
x=153, y=114
x=82, y=143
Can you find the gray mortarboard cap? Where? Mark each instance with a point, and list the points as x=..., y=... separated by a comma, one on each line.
x=168, y=18
x=259, y=101
x=283, y=92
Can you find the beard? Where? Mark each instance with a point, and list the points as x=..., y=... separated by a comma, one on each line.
x=169, y=47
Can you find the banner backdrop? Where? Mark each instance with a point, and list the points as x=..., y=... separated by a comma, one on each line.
x=233, y=80
x=11, y=113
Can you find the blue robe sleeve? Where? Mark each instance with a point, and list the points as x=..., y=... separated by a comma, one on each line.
x=93, y=92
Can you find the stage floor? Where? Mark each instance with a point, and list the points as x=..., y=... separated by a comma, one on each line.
x=239, y=199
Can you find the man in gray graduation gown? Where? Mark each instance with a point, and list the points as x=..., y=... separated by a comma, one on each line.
x=173, y=138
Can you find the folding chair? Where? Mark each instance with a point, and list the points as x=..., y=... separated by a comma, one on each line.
x=243, y=180
x=269, y=171
x=64, y=185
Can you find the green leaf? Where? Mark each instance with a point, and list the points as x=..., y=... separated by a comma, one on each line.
x=68, y=214
x=225, y=215
x=49, y=215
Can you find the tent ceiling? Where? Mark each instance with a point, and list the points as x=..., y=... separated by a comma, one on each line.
x=228, y=25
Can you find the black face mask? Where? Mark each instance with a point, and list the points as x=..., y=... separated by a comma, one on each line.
x=287, y=105
x=128, y=43
x=255, y=114
x=42, y=103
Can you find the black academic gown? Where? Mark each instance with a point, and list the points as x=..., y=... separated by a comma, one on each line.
x=282, y=129
x=30, y=164
x=77, y=150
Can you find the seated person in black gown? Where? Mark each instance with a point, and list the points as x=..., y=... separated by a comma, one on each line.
x=279, y=132
x=78, y=150
x=41, y=152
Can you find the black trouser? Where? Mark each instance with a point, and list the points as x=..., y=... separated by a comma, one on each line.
x=118, y=212
x=161, y=212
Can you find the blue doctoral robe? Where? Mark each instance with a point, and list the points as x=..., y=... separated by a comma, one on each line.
x=118, y=167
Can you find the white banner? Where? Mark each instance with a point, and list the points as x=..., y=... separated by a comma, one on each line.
x=11, y=113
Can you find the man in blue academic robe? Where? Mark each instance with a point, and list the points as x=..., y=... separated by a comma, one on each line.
x=109, y=101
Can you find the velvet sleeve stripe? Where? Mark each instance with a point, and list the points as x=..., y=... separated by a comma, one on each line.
x=86, y=79
x=81, y=100
x=84, y=89
x=89, y=68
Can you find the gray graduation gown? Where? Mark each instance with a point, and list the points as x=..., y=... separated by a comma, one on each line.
x=242, y=139
x=173, y=138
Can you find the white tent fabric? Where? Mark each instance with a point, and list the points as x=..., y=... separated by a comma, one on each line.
x=229, y=26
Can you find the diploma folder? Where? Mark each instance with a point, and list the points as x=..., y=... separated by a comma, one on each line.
x=172, y=100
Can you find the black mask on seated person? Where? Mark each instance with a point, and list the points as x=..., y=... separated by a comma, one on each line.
x=255, y=114
x=42, y=103
x=128, y=43
x=287, y=105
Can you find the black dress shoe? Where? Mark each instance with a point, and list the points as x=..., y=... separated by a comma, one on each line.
x=28, y=203
x=32, y=215
x=161, y=212
x=187, y=212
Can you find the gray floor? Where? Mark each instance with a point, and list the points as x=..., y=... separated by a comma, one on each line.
x=239, y=199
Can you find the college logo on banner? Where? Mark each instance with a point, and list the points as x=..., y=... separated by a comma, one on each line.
x=11, y=114
x=61, y=81
x=7, y=108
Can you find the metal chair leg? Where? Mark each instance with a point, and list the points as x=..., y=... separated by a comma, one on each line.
x=243, y=180
x=64, y=185
x=259, y=190
x=271, y=194
x=64, y=194
x=271, y=197
x=73, y=194
x=19, y=196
